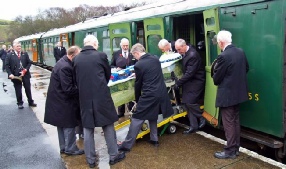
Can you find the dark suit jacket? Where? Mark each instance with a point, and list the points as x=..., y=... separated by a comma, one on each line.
x=151, y=93
x=193, y=79
x=92, y=72
x=119, y=61
x=59, y=53
x=3, y=54
x=230, y=75
x=62, y=107
x=12, y=64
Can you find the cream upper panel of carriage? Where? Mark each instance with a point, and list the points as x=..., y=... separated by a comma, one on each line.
x=29, y=37
x=146, y=11
x=151, y=10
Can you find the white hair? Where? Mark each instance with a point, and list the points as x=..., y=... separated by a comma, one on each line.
x=15, y=43
x=124, y=40
x=90, y=40
x=224, y=36
x=162, y=43
x=180, y=42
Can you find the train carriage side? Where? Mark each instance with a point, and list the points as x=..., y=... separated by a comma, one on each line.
x=259, y=29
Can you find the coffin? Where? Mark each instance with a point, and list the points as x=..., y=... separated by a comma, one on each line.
x=122, y=91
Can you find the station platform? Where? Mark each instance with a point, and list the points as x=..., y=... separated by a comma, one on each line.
x=178, y=151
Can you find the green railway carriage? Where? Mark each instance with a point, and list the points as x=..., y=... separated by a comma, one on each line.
x=257, y=26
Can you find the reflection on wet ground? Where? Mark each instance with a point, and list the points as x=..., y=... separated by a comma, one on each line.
x=175, y=150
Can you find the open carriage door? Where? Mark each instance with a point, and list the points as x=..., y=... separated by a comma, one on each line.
x=34, y=50
x=211, y=24
x=118, y=31
x=65, y=40
x=154, y=32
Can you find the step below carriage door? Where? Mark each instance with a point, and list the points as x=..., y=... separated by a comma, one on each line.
x=154, y=32
x=211, y=24
x=118, y=31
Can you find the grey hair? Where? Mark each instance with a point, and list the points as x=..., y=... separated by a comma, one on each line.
x=124, y=40
x=180, y=42
x=90, y=40
x=16, y=43
x=162, y=43
x=137, y=48
x=224, y=36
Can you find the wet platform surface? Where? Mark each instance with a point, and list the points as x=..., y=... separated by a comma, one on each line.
x=194, y=151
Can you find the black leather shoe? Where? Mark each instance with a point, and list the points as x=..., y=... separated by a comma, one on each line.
x=154, y=143
x=20, y=106
x=191, y=130
x=78, y=152
x=92, y=165
x=202, y=122
x=119, y=157
x=120, y=148
x=223, y=155
x=62, y=151
x=33, y=104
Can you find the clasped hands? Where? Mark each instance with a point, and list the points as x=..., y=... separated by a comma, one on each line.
x=23, y=72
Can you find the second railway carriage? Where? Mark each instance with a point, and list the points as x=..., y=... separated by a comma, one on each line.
x=258, y=26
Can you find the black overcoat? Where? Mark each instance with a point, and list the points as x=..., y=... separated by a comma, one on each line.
x=193, y=79
x=92, y=73
x=230, y=76
x=12, y=64
x=62, y=107
x=119, y=61
x=150, y=90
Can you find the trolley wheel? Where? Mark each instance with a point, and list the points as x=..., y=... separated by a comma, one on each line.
x=144, y=127
x=171, y=129
x=279, y=154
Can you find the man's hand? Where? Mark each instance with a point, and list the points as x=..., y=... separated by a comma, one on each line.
x=23, y=72
x=118, y=68
x=176, y=86
x=132, y=75
x=11, y=76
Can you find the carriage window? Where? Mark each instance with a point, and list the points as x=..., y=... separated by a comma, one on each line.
x=106, y=48
x=210, y=21
x=153, y=41
x=116, y=43
x=153, y=27
x=105, y=33
x=119, y=31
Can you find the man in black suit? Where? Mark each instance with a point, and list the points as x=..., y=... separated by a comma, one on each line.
x=62, y=107
x=59, y=51
x=229, y=74
x=18, y=64
x=3, y=54
x=193, y=84
x=92, y=73
x=120, y=60
x=151, y=96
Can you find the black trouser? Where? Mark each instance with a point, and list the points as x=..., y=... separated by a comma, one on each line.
x=231, y=125
x=3, y=65
x=194, y=113
x=18, y=90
